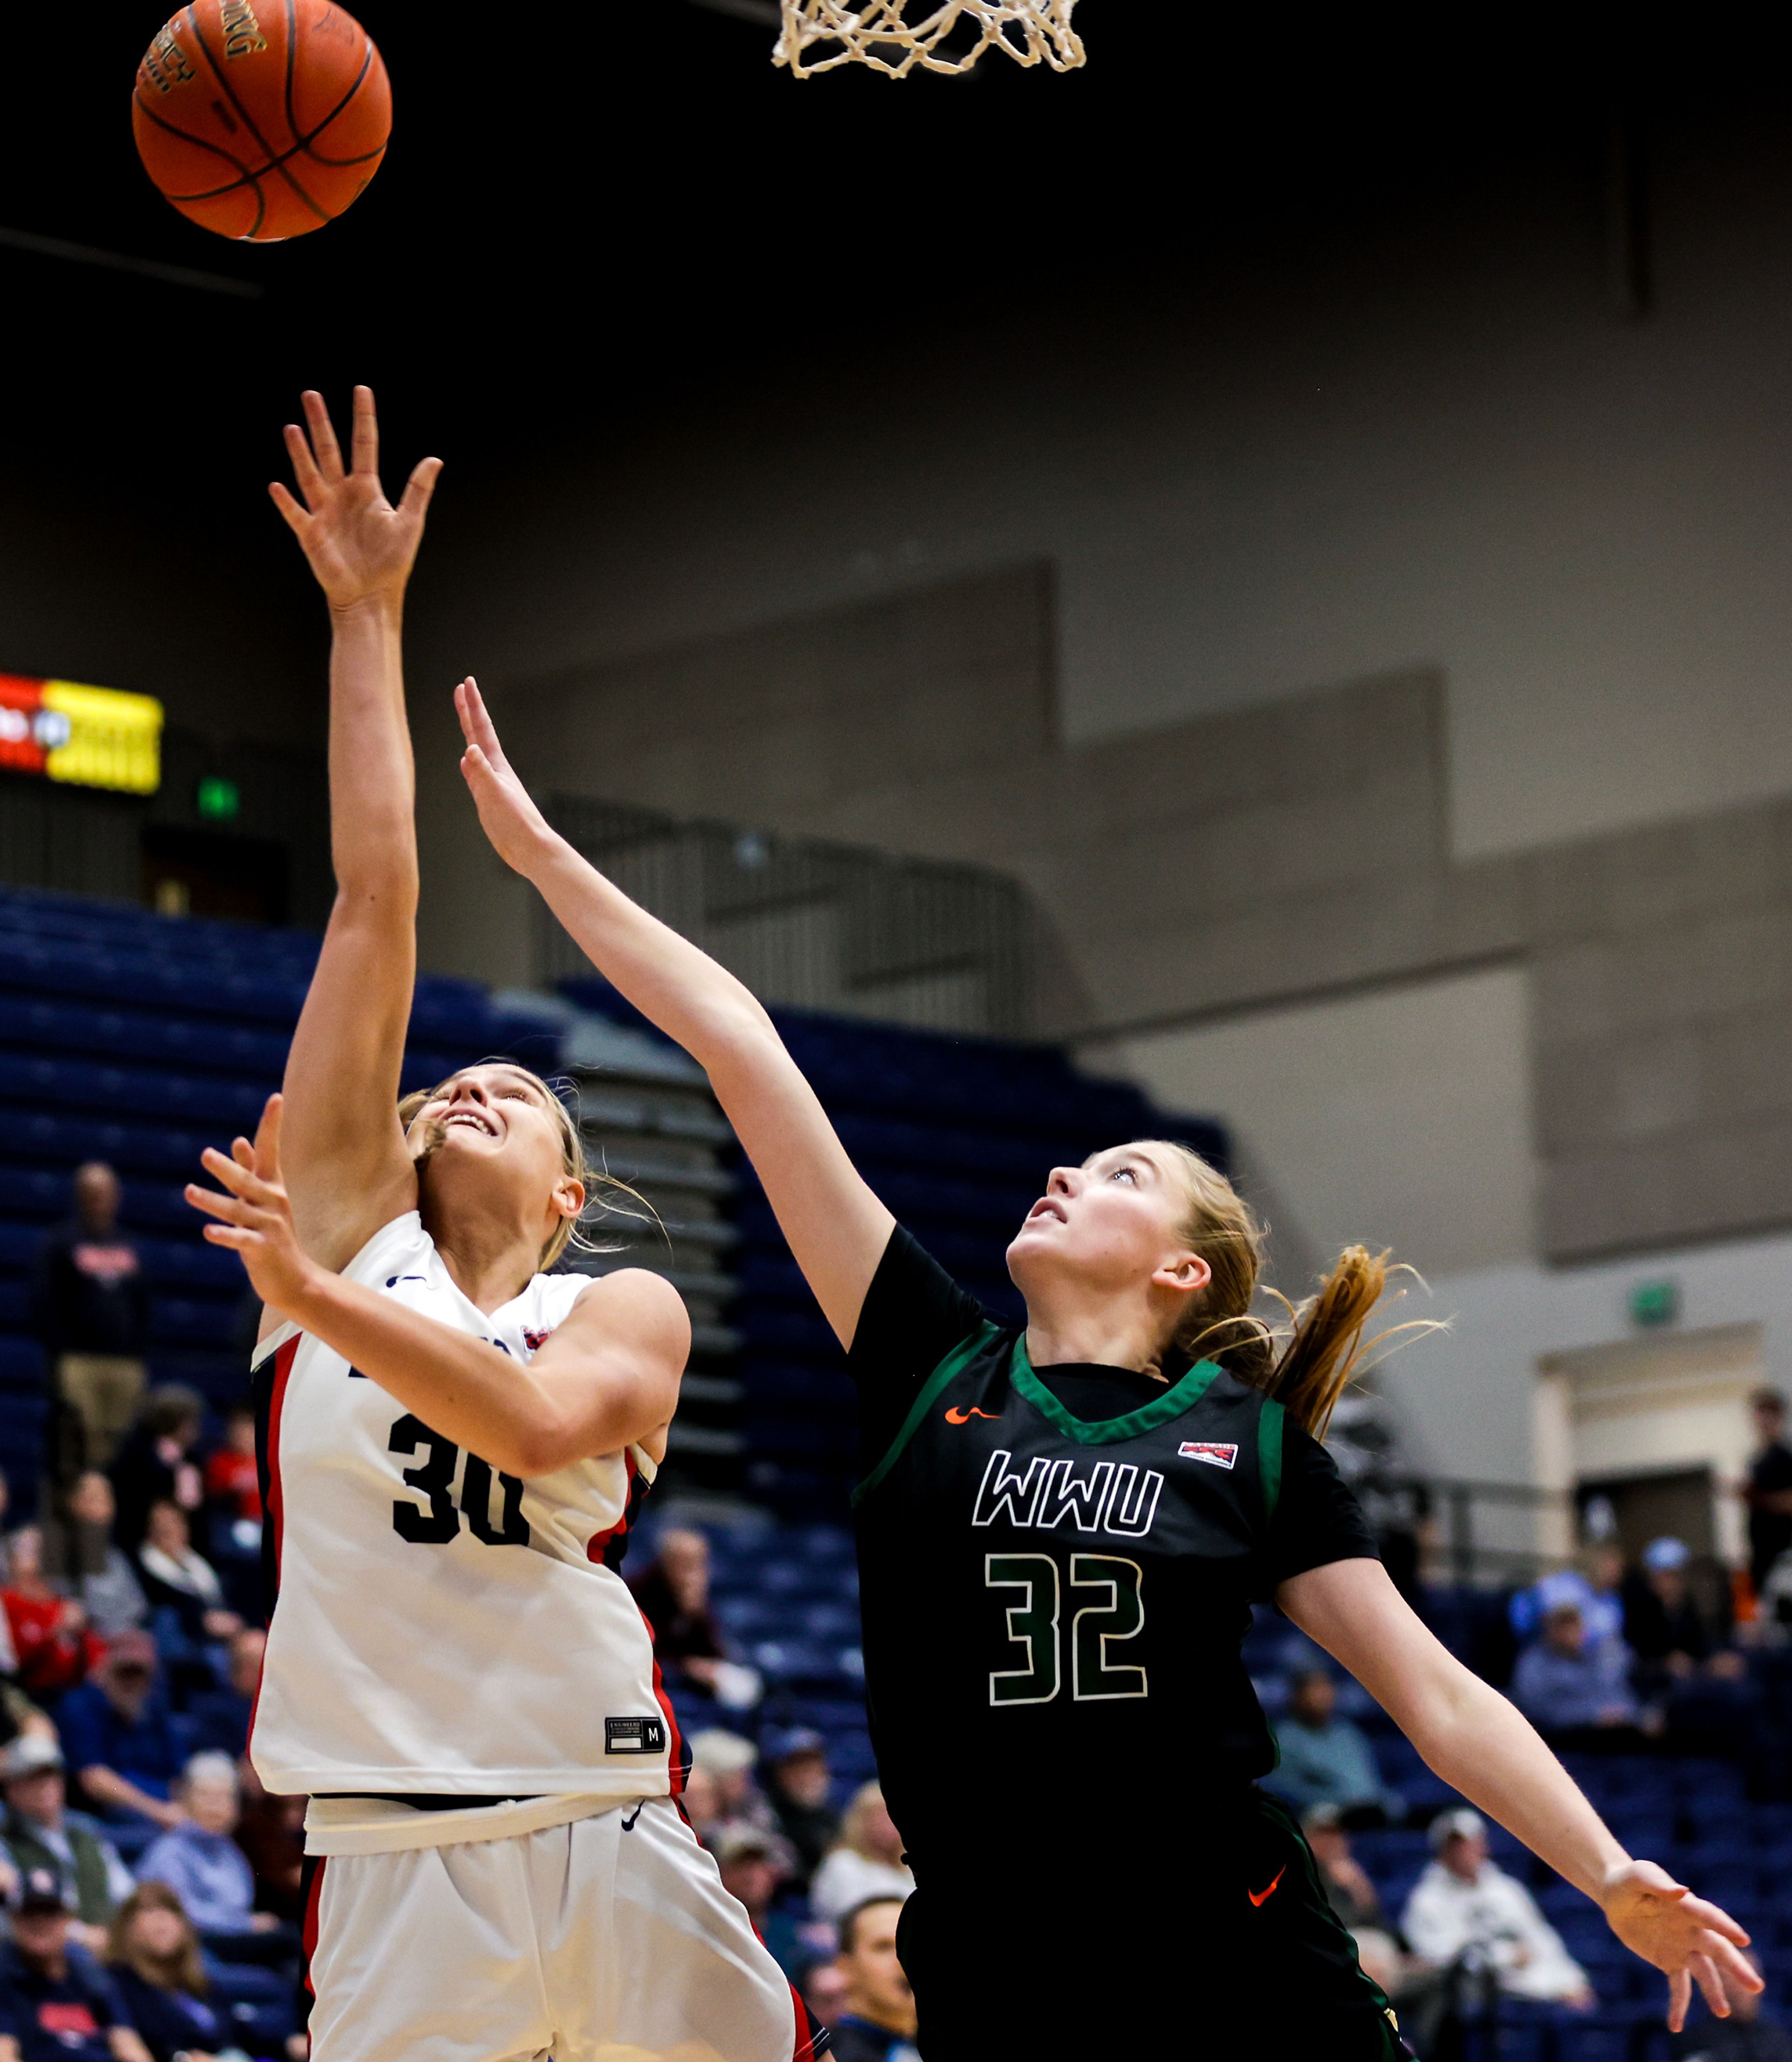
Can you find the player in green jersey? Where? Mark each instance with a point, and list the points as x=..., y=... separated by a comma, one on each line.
x=1061, y=1529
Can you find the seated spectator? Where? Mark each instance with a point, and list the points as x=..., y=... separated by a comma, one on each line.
x=271, y=1833
x=1751, y=2034
x=1568, y=1685
x=119, y=1737
x=1354, y=1897
x=878, y=2025
x=219, y=1718
x=1595, y=1596
x=41, y=1833
x=197, y=1857
x=55, y=1645
x=753, y=1871
x=702, y=1800
x=729, y=1759
x=821, y=1982
x=57, y=2000
x=177, y=1578
x=673, y=1593
x=232, y=1480
x=153, y=1955
x=1326, y=1759
x=865, y=1862
x=156, y=1464
x=1664, y=1625
x=93, y=1563
x=799, y=1787
x=1463, y=1903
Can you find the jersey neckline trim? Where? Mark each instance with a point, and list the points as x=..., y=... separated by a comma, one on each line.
x=1106, y=1431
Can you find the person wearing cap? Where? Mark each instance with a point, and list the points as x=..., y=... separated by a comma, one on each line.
x=1464, y=1906
x=730, y=1760
x=120, y=1739
x=799, y=1786
x=41, y=1833
x=754, y=1869
x=55, y=1999
x=878, y=2025
x=1572, y=1688
x=1353, y=1896
x=865, y=1861
x=1663, y=1622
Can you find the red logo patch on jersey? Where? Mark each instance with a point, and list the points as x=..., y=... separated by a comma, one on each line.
x=1216, y=1453
x=535, y=1341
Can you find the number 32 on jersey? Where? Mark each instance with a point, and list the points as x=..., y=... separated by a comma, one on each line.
x=1105, y=1609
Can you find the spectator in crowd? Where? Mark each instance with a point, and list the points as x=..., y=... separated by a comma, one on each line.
x=153, y=1955
x=866, y=1861
x=120, y=1739
x=799, y=1787
x=1354, y=1897
x=93, y=1563
x=232, y=1480
x=1594, y=1593
x=41, y=1833
x=752, y=1870
x=729, y=1759
x=1664, y=1624
x=55, y=1645
x=1326, y=1759
x=1749, y=2035
x=1767, y=1493
x=673, y=1593
x=92, y=1315
x=198, y=1857
x=878, y=2025
x=179, y=1580
x=218, y=1718
x=155, y=1464
x=822, y=1983
x=702, y=1802
x=271, y=1833
x=54, y=1996
x=1573, y=1688
x=1464, y=1905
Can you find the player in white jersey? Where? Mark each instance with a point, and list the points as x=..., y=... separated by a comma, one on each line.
x=455, y=1444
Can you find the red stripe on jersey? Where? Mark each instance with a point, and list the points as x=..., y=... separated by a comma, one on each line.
x=600, y=1541
x=276, y=1512
x=805, y=2049
x=677, y=1760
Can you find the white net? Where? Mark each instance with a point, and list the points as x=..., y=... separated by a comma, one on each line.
x=821, y=34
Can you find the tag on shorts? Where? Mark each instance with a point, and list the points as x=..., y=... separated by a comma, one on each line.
x=1215, y=1453
x=634, y=1735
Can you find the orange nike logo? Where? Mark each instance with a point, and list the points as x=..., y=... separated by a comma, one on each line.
x=1262, y=1896
x=954, y=1416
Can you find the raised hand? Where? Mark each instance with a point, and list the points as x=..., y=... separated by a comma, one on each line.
x=518, y=830
x=1688, y=1939
x=358, y=545
x=254, y=1214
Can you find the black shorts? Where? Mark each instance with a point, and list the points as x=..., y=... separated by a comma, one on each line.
x=1202, y=1931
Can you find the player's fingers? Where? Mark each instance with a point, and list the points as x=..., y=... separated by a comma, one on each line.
x=241, y=1180
x=297, y=519
x=364, y=439
x=304, y=467
x=1734, y=1963
x=418, y=487
x=242, y=1152
x=1704, y=1975
x=1680, y=1990
x=328, y=452
x=1717, y=1919
x=266, y=1150
x=230, y=1235
x=232, y=1209
x=481, y=730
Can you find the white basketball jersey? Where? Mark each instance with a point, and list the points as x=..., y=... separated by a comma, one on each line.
x=441, y=1628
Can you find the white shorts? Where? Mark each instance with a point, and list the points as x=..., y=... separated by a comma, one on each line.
x=610, y=1939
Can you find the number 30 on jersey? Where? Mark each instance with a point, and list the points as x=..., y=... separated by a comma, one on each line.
x=438, y=1521
x=1105, y=1609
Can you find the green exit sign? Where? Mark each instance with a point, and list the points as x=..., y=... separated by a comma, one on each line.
x=218, y=800
x=1654, y=1303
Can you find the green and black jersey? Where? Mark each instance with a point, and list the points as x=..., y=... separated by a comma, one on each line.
x=1058, y=1564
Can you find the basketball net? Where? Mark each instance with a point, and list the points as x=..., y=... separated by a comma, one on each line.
x=875, y=33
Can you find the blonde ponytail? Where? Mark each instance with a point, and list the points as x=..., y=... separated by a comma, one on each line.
x=1306, y=1364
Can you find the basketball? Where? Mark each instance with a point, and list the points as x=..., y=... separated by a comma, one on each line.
x=262, y=119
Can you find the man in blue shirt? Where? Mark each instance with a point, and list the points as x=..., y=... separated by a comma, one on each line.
x=1567, y=1684
x=878, y=2025
x=1326, y=1759
x=119, y=1736
x=55, y=2001
x=198, y=1859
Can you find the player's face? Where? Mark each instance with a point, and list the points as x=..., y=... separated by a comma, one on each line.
x=492, y=1123
x=1113, y=1222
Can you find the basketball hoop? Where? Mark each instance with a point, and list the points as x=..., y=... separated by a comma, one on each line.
x=875, y=33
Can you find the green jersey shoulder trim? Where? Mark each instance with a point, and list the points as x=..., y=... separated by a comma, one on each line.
x=1104, y=1431
x=953, y=1364
x=1269, y=1453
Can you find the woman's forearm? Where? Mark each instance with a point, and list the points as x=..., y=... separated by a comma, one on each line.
x=1479, y=1744
x=372, y=778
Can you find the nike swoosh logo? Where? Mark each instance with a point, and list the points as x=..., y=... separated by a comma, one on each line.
x=1262, y=1896
x=628, y=1827
x=954, y=1416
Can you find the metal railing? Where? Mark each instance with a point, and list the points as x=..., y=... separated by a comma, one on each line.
x=1448, y=1514
x=818, y=925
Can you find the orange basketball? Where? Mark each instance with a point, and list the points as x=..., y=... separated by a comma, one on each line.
x=262, y=119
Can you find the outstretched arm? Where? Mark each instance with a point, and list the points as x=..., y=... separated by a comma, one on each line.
x=345, y=1152
x=1477, y=1742
x=608, y=1377
x=836, y=1227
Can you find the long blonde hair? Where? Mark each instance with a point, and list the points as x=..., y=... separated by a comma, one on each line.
x=559, y=1097
x=184, y=1970
x=1305, y=1364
